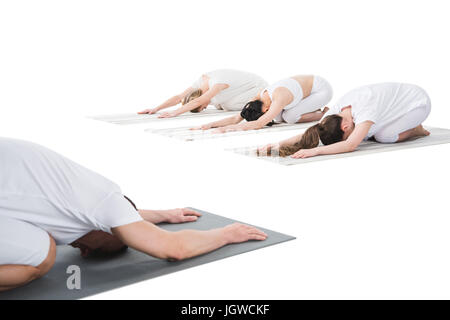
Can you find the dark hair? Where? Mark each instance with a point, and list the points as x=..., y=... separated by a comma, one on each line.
x=328, y=131
x=252, y=111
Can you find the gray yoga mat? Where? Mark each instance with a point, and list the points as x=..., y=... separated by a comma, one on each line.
x=438, y=136
x=134, y=118
x=103, y=274
x=185, y=134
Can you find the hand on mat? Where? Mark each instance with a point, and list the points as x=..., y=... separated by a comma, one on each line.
x=149, y=111
x=305, y=153
x=168, y=114
x=203, y=127
x=226, y=129
x=182, y=215
x=238, y=232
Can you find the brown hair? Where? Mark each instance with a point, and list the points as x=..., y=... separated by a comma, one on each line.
x=328, y=131
x=191, y=96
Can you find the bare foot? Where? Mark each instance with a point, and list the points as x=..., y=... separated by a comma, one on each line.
x=420, y=131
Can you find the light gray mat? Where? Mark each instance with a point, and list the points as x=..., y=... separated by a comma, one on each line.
x=185, y=134
x=438, y=136
x=133, y=118
x=103, y=274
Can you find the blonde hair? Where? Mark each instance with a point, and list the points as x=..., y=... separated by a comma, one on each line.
x=191, y=96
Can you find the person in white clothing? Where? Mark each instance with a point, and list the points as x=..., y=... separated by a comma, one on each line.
x=225, y=89
x=385, y=112
x=48, y=200
x=292, y=100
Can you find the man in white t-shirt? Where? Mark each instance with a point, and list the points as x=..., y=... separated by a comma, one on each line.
x=48, y=200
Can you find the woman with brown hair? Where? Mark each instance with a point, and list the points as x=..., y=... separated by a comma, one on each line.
x=225, y=89
x=385, y=112
x=292, y=100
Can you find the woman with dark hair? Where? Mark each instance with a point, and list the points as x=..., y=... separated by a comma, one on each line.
x=225, y=89
x=385, y=112
x=292, y=100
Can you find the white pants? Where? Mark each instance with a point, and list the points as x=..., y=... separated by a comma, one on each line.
x=321, y=94
x=22, y=243
x=415, y=117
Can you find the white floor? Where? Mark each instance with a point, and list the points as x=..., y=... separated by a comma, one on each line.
x=367, y=227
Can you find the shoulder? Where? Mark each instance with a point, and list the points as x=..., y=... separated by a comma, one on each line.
x=282, y=94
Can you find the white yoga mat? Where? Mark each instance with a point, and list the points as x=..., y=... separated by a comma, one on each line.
x=132, y=118
x=185, y=134
x=438, y=136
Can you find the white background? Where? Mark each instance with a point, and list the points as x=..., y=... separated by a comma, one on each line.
x=367, y=227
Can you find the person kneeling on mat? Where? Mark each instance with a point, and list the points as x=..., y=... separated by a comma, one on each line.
x=384, y=112
x=226, y=89
x=48, y=200
x=297, y=99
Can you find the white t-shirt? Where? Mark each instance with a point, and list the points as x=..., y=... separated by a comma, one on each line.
x=243, y=86
x=45, y=189
x=381, y=103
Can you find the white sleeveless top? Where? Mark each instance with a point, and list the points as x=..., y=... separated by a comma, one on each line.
x=243, y=86
x=292, y=85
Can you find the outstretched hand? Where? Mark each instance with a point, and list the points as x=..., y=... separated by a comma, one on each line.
x=238, y=232
x=149, y=111
x=203, y=127
x=182, y=215
x=226, y=129
x=305, y=153
x=168, y=114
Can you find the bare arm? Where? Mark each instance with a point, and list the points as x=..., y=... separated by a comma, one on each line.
x=276, y=146
x=171, y=216
x=205, y=98
x=224, y=122
x=148, y=238
x=169, y=103
x=289, y=141
x=221, y=123
x=299, y=136
x=281, y=98
x=349, y=145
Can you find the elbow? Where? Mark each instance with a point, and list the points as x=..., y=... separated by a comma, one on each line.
x=178, y=98
x=177, y=252
x=176, y=256
x=256, y=125
x=352, y=147
x=237, y=119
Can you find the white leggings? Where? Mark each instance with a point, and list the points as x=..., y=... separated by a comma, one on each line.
x=22, y=243
x=415, y=117
x=321, y=94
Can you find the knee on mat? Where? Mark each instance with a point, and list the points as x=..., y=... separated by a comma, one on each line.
x=49, y=261
x=289, y=119
x=17, y=275
x=384, y=138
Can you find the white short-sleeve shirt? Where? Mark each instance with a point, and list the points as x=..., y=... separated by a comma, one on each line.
x=45, y=189
x=243, y=86
x=381, y=103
